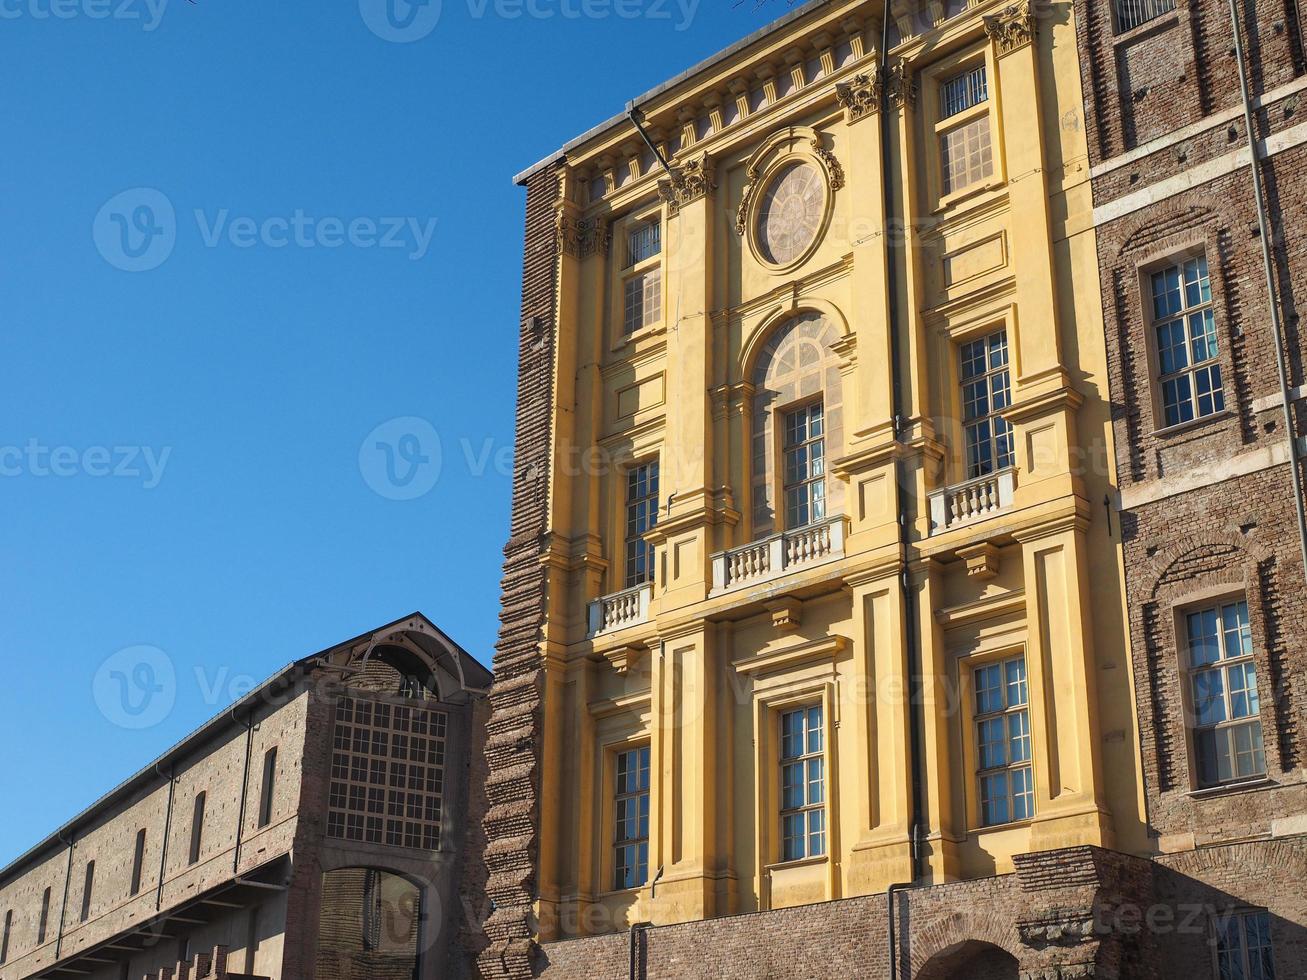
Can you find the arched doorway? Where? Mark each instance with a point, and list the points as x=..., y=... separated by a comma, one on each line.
x=971, y=960
x=369, y=926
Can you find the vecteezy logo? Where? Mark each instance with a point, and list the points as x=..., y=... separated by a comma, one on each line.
x=136, y=230
x=136, y=687
x=401, y=459
x=401, y=21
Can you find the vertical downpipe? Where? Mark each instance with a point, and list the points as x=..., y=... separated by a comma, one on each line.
x=63, y=904
x=167, y=829
x=1277, y=328
x=902, y=478
x=245, y=789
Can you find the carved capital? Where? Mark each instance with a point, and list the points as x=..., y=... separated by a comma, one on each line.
x=1014, y=26
x=596, y=236
x=568, y=233
x=689, y=181
x=859, y=97
x=900, y=85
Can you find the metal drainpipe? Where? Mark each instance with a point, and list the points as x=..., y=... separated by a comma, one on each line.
x=63, y=904
x=167, y=827
x=902, y=479
x=1277, y=338
x=245, y=788
x=636, y=929
x=636, y=116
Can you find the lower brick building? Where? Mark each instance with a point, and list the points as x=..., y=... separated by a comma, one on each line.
x=326, y=825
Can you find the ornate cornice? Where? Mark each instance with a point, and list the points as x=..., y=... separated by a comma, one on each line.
x=689, y=181
x=596, y=236
x=859, y=97
x=1014, y=26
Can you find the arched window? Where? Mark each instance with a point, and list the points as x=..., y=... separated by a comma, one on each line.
x=797, y=427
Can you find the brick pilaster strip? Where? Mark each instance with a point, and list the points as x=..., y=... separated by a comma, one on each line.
x=512, y=754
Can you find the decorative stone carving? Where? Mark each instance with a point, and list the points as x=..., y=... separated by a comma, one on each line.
x=742, y=212
x=689, y=181
x=832, y=165
x=859, y=97
x=1013, y=26
x=596, y=236
x=901, y=86
x=568, y=234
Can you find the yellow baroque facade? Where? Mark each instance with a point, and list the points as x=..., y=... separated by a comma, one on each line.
x=833, y=593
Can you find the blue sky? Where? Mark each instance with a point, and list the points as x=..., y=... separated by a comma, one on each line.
x=259, y=284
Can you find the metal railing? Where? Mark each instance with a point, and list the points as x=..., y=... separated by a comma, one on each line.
x=1132, y=13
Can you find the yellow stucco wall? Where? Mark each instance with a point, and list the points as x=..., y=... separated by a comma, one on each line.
x=702, y=672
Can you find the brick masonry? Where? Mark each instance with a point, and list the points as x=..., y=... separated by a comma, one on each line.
x=1208, y=509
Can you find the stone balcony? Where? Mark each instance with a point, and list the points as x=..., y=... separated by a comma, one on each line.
x=618, y=610
x=779, y=554
x=975, y=500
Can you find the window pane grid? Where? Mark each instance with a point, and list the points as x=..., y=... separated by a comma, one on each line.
x=1225, y=703
x=1184, y=324
x=643, y=300
x=1132, y=13
x=631, y=817
x=803, y=784
x=390, y=792
x=641, y=515
x=961, y=92
x=1003, y=749
x=643, y=242
x=966, y=156
x=804, y=461
x=1243, y=947
x=986, y=393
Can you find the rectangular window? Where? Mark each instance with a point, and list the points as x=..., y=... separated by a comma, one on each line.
x=1243, y=946
x=4, y=942
x=963, y=91
x=88, y=883
x=986, y=392
x=643, y=300
x=1007, y=789
x=1223, y=683
x=631, y=812
x=1131, y=13
x=644, y=241
x=805, y=466
x=43, y=925
x=966, y=152
x=641, y=515
x=803, y=784
x=197, y=827
x=138, y=861
x=1185, y=327
x=269, y=784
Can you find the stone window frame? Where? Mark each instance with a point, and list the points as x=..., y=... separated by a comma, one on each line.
x=1220, y=592
x=771, y=700
x=1007, y=645
x=1158, y=660
x=620, y=272
x=611, y=745
x=934, y=125
x=1177, y=252
x=785, y=147
x=953, y=336
x=771, y=397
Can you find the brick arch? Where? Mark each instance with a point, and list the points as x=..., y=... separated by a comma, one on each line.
x=1234, y=863
x=952, y=932
x=1161, y=224
x=1239, y=550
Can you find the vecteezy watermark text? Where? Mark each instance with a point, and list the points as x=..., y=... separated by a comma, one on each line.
x=147, y=12
x=138, y=229
x=35, y=459
x=406, y=21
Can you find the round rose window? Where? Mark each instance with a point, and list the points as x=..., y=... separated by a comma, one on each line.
x=790, y=214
